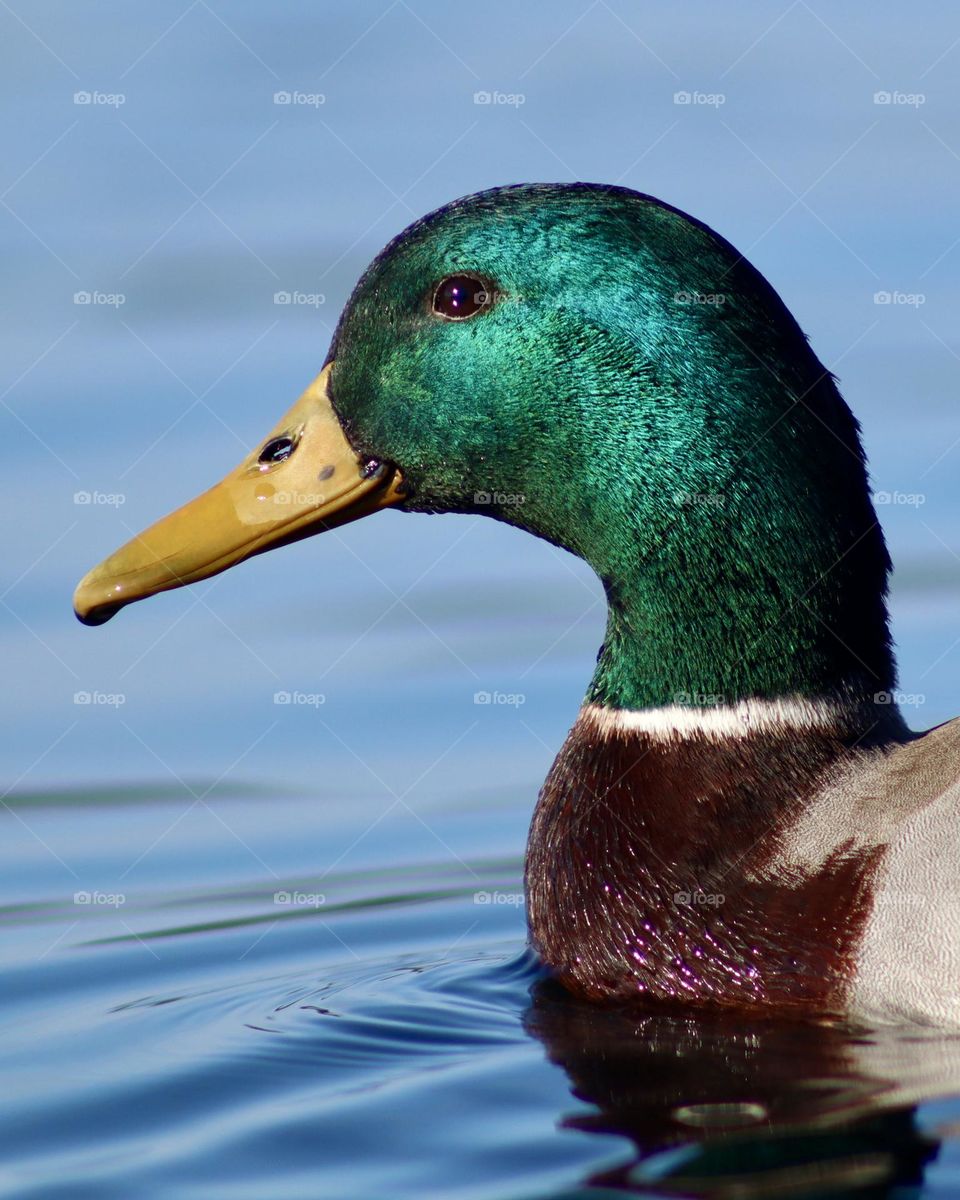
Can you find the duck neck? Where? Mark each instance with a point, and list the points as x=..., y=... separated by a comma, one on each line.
x=730, y=609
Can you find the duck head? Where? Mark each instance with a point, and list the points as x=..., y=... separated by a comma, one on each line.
x=596, y=367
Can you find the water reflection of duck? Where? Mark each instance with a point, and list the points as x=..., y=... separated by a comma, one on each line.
x=739, y=816
x=723, y=1107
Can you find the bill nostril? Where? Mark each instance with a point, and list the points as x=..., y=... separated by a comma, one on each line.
x=276, y=450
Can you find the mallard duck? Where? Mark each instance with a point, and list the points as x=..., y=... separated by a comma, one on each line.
x=739, y=816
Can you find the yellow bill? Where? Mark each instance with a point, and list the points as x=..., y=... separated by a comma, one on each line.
x=303, y=479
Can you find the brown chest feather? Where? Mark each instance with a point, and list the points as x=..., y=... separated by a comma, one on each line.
x=657, y=869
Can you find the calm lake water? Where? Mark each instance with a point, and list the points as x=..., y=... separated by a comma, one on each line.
x=261, y=931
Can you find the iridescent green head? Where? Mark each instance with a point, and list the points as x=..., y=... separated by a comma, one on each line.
x=591, y=365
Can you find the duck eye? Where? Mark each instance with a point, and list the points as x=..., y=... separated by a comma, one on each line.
x=276, y=450
x=460, y=296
